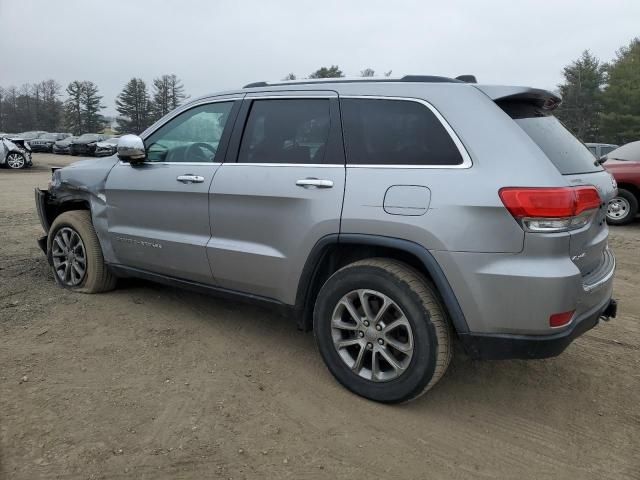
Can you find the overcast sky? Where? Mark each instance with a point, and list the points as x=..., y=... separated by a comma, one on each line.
x=217, y=45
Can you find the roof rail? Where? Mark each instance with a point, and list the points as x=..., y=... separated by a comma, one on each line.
x=406, y=78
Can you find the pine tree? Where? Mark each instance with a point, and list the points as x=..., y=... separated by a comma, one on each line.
x=620, y=122
x=582, y=97
x=93, y=120
x=134, y=106
x=168, y=94
x=73, y=108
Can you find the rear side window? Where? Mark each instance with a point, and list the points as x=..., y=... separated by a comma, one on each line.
x=568, y=154
x=395, y=132
x=286, y=131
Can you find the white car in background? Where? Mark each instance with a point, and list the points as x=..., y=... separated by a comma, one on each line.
x=15, y=154
x=107, y=147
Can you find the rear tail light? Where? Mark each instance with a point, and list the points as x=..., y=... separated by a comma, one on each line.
x=561, y=319
x=551, y=209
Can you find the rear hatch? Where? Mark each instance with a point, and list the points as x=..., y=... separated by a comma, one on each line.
x=532, y=110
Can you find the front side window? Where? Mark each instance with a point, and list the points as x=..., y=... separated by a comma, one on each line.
x=192, y=136
x=395, y=132
x=286, y=131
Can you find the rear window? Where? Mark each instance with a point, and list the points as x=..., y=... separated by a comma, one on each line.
x=568, y=154
x=395, y=132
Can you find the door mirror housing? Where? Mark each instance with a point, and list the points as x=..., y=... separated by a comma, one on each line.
x=131, y=149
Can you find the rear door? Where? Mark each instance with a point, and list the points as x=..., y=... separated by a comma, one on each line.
x=278, y=193
x=158, y=211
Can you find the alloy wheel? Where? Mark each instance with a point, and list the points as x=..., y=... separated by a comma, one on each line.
x=372, y=335
x=69, y=257
x=15, y=160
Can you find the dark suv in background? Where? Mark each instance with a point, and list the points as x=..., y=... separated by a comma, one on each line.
x=44, y=143
x=86, y=144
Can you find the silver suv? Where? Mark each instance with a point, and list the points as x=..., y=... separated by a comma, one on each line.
x=391, y=217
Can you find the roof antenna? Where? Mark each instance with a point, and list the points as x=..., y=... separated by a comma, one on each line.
x=467, y=78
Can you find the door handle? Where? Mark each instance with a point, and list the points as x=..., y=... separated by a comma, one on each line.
x=189, y=178
x=314, y=182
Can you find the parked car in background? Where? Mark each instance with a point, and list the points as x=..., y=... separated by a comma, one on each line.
x=357, y=207
x=14, y=154
x=63, y=146
x=44, y=143
x=599, y=150
x=28, y=136
x=86, y=144
x=624, y=164
x=106, y=147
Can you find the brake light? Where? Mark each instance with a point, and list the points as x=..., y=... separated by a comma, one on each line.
x=556, y=209
x=560, y=319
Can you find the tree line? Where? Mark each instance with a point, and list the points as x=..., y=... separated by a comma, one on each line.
x=39, y=106
x=334, y=72
x=601, y=100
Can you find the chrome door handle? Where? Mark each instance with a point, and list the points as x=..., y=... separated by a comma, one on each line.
x=314, y=182
x=188, y=178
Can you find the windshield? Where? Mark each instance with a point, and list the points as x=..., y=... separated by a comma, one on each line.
x=50, y=136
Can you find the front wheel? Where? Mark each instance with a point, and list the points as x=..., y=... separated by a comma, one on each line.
x=623, y=208
x=382, y=330
x=16, y=160
x=75, y=254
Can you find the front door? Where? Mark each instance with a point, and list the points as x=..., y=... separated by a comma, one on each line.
x=158, y=211
x=278, y=193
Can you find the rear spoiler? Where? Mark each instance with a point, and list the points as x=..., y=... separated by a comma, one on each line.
x=543, y=99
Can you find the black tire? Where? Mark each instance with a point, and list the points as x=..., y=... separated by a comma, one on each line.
x=418, y=300
x=628, y=202
x=97, y=277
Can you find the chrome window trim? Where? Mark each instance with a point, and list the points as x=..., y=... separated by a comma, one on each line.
x=322, y=95
x=179, y=111
x=172, y=163
x=466, y=158
x=313, y=165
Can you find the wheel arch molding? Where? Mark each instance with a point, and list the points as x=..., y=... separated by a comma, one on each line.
x=334, y=251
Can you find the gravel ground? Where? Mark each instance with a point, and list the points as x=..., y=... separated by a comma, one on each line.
x=152, y=382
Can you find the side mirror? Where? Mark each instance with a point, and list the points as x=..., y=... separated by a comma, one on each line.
x=131, y=149
x=602, y=159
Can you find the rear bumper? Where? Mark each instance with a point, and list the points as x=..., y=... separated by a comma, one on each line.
x=503, y=346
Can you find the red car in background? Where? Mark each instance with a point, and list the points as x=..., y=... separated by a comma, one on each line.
x=624, y=164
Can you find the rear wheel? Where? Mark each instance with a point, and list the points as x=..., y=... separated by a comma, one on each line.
x=382, y=331
x=623, y=208
x=75, y=254
x=16, y=160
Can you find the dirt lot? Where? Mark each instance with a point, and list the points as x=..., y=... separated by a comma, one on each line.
x=153, y=382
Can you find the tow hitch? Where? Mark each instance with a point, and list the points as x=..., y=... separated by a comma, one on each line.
x=610, y=311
